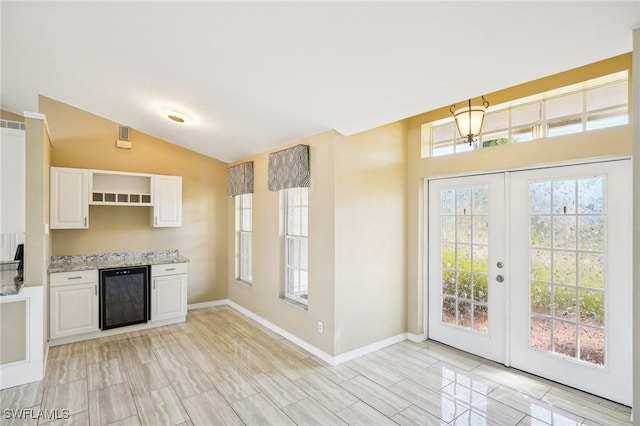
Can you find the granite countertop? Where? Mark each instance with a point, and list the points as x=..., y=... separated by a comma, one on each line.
x=113, y=260
x=10, y=282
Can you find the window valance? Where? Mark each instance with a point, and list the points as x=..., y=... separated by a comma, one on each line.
x=240, y=179
x=289, y=168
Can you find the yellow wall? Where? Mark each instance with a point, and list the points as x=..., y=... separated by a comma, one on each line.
x=357, y=270
x=8, y=115
x=370, y=237
x=263, y=298
x=84, y=140
x=595, y=144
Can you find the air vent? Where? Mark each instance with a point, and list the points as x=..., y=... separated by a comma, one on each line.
x=9, y=124
x=123, y=135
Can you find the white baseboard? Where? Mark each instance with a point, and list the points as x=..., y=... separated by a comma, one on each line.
x=364, y=350
x=201, y=305
x=330, y=359
x=416, y=338
x=113, y=331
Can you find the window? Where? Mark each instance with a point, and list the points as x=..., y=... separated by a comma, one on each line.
x=244, y=262
x=594, y=104
x=296, y=244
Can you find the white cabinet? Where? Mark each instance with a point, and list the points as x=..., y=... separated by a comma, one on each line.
x=73, y=303
x=73, y=190
x=69, y=198
x=167, y=201
x=168, y=291
x=12, y=183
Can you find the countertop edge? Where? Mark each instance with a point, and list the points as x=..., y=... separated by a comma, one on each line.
x=115, y=263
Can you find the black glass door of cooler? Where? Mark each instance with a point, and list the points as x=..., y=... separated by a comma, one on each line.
x=124, y=297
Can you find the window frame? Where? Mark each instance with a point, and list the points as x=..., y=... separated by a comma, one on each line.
x=542, y=127
x=244, y=235
x=296, y=291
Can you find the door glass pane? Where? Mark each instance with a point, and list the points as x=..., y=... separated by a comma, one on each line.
x=465, y=257
x=567, y=284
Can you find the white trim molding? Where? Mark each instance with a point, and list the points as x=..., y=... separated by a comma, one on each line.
x=213, y=303
x=330, y=359
x=38, y=116
x=32, y=368
x=416, y=338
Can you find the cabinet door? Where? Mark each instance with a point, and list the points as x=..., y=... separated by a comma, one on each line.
x=69, y=198
x=169, y=297
x=167, y=201
x=74, y=309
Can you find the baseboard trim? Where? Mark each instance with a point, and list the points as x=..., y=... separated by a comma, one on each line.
x=364, y=350
x=212, y=303
x=416, y=338
x=330, y=359
x=284, y=333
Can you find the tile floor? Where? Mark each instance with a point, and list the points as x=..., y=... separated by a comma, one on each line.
x=222, y=368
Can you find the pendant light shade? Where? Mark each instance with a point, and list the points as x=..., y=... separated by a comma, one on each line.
x=469, y=119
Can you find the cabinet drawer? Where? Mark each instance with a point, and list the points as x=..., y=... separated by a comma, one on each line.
x=73, y=277
x=168, y=269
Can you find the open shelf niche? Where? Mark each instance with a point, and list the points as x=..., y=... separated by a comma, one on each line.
x=120, y=189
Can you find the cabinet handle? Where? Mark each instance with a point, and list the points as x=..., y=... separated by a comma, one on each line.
x=85, y=221
x=170, y=269
x=155, y=220
x=154, y=284
x=74, y=278
x=95, y=289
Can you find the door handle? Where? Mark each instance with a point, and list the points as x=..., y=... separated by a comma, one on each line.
x=500, y=278
x=500, y=265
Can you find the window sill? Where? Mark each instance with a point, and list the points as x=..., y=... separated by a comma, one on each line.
x=294, y=303
x=244, y=283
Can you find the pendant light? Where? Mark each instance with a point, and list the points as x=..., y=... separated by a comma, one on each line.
x=469, y=119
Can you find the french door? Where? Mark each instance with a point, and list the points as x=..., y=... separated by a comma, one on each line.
x=558, y=302
x=466, y=247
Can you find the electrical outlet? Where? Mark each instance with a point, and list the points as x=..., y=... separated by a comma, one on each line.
x=320, y=327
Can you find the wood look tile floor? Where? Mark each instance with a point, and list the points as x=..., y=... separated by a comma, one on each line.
x=220, y=367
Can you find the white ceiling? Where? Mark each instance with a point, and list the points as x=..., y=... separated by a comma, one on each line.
x=258, y=75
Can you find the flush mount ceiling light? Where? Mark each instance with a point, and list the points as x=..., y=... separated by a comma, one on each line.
x=175, y=115
x=469, y=119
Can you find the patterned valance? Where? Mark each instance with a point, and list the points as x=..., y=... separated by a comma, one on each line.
x=240, y=179
x=289, y=168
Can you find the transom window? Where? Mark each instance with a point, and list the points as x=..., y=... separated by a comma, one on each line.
x=244, y=261
x=591, y=105
x=297, y=244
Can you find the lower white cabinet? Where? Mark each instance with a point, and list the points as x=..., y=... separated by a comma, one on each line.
x=74, y=309
x=168, y=291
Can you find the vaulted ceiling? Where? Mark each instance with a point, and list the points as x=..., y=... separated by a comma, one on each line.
x=256, y=75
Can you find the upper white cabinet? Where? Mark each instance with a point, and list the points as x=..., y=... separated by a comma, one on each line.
x=120, y=189
x=12, y=183
x=167, y=201
x=69, y=198
x=73, y=190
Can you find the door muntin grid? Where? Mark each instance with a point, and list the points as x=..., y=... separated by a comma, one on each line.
x=465, y=257
x=567, y=268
